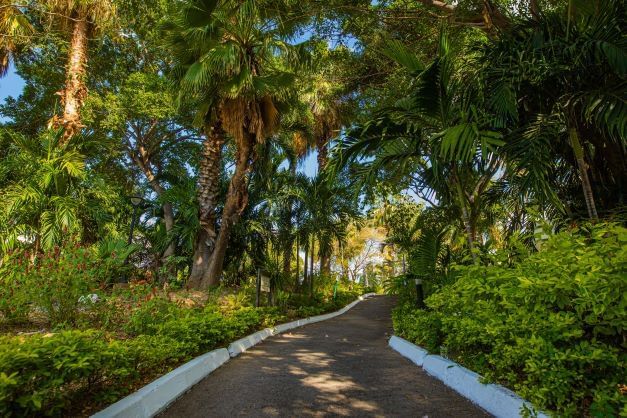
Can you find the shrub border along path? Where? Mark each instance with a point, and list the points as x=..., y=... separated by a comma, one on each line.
x=156, y=396
x=496, y=399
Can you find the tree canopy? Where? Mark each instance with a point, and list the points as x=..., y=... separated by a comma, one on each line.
x=343, y=141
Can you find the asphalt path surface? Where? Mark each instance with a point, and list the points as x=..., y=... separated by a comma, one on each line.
x=342, y=367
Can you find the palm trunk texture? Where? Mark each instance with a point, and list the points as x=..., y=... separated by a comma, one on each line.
x=75, y=92
x=208, y=194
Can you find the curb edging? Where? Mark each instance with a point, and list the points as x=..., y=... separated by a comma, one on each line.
x=156, y=396
x=495, y=399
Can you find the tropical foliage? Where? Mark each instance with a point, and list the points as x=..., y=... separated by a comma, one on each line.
x=549, y=327
x=159, y=156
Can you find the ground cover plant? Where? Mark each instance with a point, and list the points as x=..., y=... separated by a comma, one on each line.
x=128, y=338
x=551, y=327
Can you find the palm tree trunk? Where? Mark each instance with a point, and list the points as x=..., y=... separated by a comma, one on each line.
x=325, y=264
x=168, y=219
x=311, y=265
x=236, y=201
x=297, y=263
x=289, y=244
x=287, y=259
x=322, y=145
x=583, y=174
x=75, y=91
x=208, y=193
x=344, y=264
x=465, y=216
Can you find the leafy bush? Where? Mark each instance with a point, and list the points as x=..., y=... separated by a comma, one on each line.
x=156, y=353
x=53, y=283
x=60, y=373
x=270, y=316
x=552, y=327
x=146, y=317
x=112, y=254
x=47, y=373
x=14, y=300
x=231, y=302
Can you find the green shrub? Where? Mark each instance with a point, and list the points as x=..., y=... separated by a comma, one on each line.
x=15, y=302
x=552, y=327
x=414, y=325
x=52, y=283
x=46, y=374
x=60, y=373
x=147, y=316
x=234, y=301
x=307, y=311
x=156, y=353
x=242, y=321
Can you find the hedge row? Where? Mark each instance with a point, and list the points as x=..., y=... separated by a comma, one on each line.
x=73, y=372
x=552, y=328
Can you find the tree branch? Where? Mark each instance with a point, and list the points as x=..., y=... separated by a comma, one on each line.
x=439, y=4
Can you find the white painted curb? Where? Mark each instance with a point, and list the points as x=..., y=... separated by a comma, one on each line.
x=243, y=344
x=156, y=396
x=409, y=350
x=313, y=319
x=496, y=399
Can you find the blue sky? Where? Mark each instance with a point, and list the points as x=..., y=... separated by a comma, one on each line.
x=12, y=85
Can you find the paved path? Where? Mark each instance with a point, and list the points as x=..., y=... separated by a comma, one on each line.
x=340, y=367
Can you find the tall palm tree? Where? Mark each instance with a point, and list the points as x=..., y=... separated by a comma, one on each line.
x=325, y=209
x=293, y=142
x=232, y=57
x=325, y=94
x=81, y=18
x=327, y=112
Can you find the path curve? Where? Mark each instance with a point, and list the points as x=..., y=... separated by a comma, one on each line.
x=340, y=367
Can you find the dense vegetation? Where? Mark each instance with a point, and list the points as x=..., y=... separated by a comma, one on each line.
x=550, y=327
x=160, y=154
x=115, y=346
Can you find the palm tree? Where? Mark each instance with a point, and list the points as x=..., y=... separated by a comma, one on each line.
x=327, y=114
x=432, y=134
x=82, y=18
x=51, y=194
x=293, y=142
x=232, y=58
x=325, y=94
x=325, y=208
x=15, y=32
x=559, y=80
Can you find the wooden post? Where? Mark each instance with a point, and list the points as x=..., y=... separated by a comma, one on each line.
x=305, y=275
x=420, y=296
x=258, y=293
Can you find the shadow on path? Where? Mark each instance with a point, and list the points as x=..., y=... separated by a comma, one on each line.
x=340, y=367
